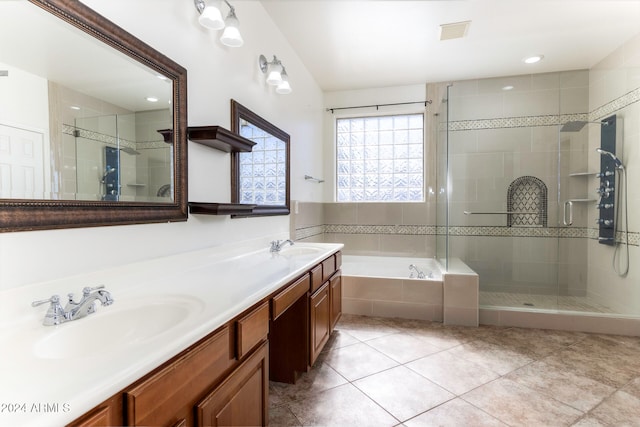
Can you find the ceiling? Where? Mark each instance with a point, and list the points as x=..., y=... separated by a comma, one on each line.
x=356, y=44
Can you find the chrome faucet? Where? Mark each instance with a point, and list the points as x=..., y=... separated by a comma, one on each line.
x=276, y=245
x=74, y=310
x=413, y=269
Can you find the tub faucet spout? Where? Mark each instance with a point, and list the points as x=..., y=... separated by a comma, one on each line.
x=276, y=245
x=415, y=272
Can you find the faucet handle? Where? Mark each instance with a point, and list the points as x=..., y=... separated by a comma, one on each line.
x=53, y=300
x=56, y=314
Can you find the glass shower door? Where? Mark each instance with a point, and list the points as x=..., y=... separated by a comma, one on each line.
x=503, y=205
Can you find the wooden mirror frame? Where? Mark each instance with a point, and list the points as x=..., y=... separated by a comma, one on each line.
x=21, y=215
x=239, y=112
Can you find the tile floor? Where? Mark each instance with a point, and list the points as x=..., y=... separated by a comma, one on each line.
x=388, y=372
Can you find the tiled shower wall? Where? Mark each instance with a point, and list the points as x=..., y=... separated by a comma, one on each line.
x=502, y=129
x=614, y=88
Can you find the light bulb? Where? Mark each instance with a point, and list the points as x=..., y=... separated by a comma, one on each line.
x=284, y=88
x=231, y=36
x=274, y=76
x=211, y=16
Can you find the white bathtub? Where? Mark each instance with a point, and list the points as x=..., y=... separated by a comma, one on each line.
x=390, y=267
x=381, y=286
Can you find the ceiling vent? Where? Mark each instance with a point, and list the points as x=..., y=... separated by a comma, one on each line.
x=455, y=30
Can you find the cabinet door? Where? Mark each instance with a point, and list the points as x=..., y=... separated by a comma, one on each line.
x=108, y=413
x=320, y=321
x=242, y=399
x=168, y=396
x=336, y=298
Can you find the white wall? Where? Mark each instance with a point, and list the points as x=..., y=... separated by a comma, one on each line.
x=15, y=88
x=215, y=75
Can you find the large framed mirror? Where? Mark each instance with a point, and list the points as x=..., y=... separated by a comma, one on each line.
x=260, y=177
x=92, y=122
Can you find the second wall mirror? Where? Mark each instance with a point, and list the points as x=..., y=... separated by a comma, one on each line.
x=260, y=177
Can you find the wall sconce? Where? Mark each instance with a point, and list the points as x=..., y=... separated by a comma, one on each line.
x=211, y=17
x=276, y=74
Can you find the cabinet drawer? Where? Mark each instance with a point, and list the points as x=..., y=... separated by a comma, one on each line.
x=316, y=278
x=170, y=393
x=328, y=268
x=286, y=298
x=252, y=329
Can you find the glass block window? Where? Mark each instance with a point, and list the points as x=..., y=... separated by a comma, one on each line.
x=380, y=159
x=263, y=173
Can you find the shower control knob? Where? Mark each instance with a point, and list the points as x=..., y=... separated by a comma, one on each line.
x=606, y=222
x=604, y=205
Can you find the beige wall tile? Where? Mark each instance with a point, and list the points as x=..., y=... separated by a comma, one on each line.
x=340, y=213
x=460, y=316
x=406, y=310
x=421, y=291
x=355, y=306
x=378, y=213
x=461, y=290
x=371, y=288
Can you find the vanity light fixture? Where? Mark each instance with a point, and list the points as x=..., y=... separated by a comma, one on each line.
x=284, y=88
x=211, y=17
x=276, y=74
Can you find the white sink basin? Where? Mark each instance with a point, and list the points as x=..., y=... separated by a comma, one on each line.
x=299, y=250
x=125, y=323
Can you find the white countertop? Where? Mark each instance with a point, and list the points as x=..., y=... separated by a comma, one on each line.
x=45, y=384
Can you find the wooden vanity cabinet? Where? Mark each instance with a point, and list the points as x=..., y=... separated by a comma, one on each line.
x=172, y=395
x=224, y=378
x=320, y=305
x=242, y=399
x=288, y=331
x=335, y=294
x=108, y=413
x=325, y=305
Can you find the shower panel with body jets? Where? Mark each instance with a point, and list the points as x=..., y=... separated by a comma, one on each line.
x=612, y=184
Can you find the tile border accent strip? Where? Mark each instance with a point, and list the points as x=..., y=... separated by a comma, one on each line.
x=548, y=120
x=465, y=231
x=306, y=232
x=615, y=105
x=516, y=122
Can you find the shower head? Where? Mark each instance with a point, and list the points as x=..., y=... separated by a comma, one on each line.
x=616, y=160
x=130, y=150
x=576, y=126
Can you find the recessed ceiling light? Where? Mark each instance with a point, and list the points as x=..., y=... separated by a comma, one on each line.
x=161, y=77
x=74, y=107
x=508, y=87
x=152, y=99
x=533, y=59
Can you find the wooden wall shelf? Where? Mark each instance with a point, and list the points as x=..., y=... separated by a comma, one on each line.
x=219, y=138
x=220, y=208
